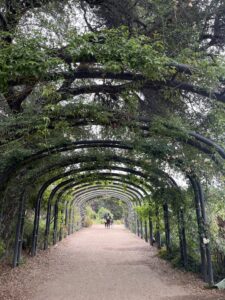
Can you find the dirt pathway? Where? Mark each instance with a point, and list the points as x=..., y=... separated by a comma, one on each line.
x=101, y=264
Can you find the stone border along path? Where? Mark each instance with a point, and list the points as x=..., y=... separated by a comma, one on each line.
x=101, y=264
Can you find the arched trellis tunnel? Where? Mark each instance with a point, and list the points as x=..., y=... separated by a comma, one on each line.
x=133, y=192
x=115, y=113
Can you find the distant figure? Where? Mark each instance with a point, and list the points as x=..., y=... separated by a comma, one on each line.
x=111, y=222
x=107, y=220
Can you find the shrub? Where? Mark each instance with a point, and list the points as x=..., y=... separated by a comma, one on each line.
x=118, y=222
x=88, y=222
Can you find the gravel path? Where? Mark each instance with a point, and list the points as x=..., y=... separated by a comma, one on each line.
x=101, y=264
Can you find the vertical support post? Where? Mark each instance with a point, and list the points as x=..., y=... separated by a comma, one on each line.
x=47, y=225
x=138, y=227
x=19, y=231
x=182, y=238
x=141, y=225
x=66, y=219
x=158, y=235
x=55, y=228
x=61, y=224
x=146, y=232
x=200, y=227
x=37, y=218
x=72, y=216
x=151, y=237
x=167, y=226
x=206, y=242
x=69, y=223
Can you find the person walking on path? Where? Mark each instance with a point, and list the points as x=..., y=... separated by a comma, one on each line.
x=107, y=220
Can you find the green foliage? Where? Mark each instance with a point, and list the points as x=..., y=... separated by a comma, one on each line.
x=28, y=231
x=90, y=215
x=90, y=212
x=115, y=206
x=102, y=212
x=143, y=211
x=25, y=58
x=88, y=221
x=117, y=51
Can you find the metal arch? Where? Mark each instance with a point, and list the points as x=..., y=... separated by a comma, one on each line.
x=116, y=144
x=113, y=193
x=115, y=182
x=70, y=182
x=91, y=198
x=69, y=187
x=120, y=196
x=66, y=210
x=46, y=184
x=86, y=159
x=81, y=201
x=108, y=159
x=36, y=221
x=77, y=203
x=103, y=191
x=109, y=190
x=100, y=191
x=75, y=161
x=55, y=178
x=65, y=187
x=93, y=189
x=115, y=177
x=123, y=161
x=198, y=137
x=138, y=173
x=64, y=174
x=88, y=187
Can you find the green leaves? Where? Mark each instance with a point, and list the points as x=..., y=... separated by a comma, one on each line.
x=117, y=51
x=24, y=61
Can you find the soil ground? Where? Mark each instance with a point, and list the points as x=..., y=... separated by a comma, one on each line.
x=101, y=264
